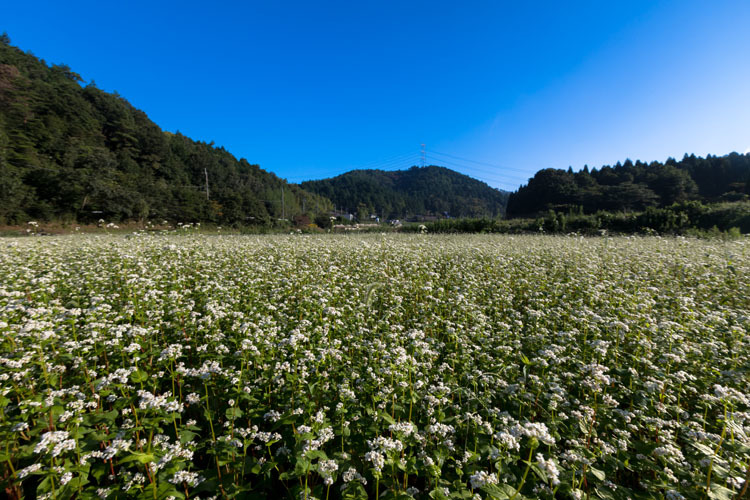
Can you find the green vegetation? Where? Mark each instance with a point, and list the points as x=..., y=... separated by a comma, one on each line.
x=74, y=154
x=383, y=367
x=417, y=191
x=687, y=218
x=634, y=186
x=77, y=153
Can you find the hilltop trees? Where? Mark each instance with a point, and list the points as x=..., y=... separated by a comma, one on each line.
x=634, y=186
x=417, y=191
x=69, y=152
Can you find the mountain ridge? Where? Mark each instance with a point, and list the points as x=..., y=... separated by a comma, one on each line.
x=74, y=152
x=428, y=191
x=77, y=153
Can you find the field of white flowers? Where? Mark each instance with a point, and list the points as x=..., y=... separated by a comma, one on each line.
x=374, y=366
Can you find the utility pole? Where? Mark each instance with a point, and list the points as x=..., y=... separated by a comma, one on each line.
x=422, y=155
x=206, y=173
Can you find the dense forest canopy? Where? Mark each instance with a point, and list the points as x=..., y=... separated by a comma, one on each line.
x=417, y=191
x=635, y=186
x=73, y=152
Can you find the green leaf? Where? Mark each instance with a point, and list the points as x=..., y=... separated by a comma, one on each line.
x=385, y=416
x=462, y=494
x=187, y=436
x=143, y=458
x=166, y=489
x=99, y=470
x=233, y=413
x=539, y=472
x=139, y=376
x=582, y=426
x=302, y=466
x=45, y=485
x=354, y=491
x=604, y=493
x=319, y=454
x=720, y=492
x=599, y=474
x=702, y=448
x=438, y=494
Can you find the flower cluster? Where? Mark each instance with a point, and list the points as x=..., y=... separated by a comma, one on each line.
x=402, y=366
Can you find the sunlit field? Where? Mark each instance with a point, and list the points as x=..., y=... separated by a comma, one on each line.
x=372, y=366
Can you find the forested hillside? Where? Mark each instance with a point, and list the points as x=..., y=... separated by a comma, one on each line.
x=635, y=186
x=417, y=191
x=73, y=152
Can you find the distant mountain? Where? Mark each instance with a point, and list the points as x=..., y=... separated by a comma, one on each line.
x=77, y=153
x=635, y=186
x=417, y=191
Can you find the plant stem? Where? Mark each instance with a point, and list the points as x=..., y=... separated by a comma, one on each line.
x=525, y=473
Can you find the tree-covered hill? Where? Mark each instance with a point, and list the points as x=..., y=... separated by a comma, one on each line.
x=417, y=191
x=73, y=152
x=635, y=186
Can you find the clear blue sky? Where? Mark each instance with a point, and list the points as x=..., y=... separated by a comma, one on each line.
x=496, y=90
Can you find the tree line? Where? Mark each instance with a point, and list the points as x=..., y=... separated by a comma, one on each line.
x=397, y=194
x=634, y=187
x=75, y=152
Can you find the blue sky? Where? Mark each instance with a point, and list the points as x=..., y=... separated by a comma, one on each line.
x=496, y=90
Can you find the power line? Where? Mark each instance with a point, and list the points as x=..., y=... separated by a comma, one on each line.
x=479, y=162
x=400, y=159
x=507, y=184
x=403, y=163
x=497, y=175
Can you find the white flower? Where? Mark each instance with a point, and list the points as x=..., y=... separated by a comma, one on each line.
x=376, y=458
x=20, y=427
x=28, y=470
x=673, y=495
x=183, y=476
x=53, y=437
x=481, y=478
x=550, y=468
x=351, y=474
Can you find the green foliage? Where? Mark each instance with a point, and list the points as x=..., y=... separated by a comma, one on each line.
x=69, y=152
x=634, y=186
x=404, y=193
x=382, y=367
x=76, y=153
x=725, y=220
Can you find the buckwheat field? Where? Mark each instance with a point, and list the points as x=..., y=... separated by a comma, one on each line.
x=374, y=366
